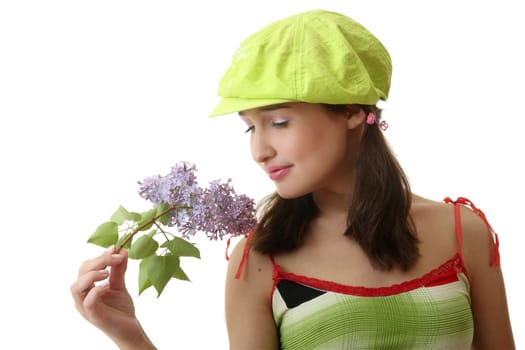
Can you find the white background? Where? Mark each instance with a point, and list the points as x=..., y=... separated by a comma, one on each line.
x=95, y=95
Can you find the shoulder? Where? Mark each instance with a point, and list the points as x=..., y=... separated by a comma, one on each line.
x=435, y=228
x=251, y=264
x=428, y=209
x=433, y=219
x=249, y=276
x=479, y=241
x=476, y=238
x=487, y=292
x=249, y=316
x=441, y=212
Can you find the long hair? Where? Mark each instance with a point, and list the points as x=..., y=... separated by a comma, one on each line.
x=379, y=213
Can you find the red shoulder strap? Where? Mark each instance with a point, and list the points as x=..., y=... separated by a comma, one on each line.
x=495, y=259
x=245, y=253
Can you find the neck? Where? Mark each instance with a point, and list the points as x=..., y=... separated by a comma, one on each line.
x=332, y=204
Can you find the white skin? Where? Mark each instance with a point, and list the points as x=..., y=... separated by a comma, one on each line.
x=300, y=139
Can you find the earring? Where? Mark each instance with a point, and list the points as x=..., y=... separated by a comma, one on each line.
x=370, y=118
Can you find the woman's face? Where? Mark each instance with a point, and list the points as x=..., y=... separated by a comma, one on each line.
x=303, y=147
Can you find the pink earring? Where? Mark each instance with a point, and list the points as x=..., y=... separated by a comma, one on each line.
x=371, y=120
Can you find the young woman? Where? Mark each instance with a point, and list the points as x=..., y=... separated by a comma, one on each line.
x=344, y=256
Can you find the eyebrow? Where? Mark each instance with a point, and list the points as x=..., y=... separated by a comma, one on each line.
x=269, y=108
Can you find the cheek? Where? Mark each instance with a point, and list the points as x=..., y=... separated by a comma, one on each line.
x=297, y=146
x=330, y=154
x=326, y=142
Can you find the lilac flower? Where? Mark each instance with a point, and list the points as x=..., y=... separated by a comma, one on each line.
x=217, y=210
x=223, y=212
x=175, y=188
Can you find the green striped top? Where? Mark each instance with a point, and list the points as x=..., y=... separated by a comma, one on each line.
x=431, y=312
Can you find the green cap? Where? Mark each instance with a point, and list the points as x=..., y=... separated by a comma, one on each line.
x=316, y=56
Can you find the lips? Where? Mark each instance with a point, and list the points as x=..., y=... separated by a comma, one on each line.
x=277, y=172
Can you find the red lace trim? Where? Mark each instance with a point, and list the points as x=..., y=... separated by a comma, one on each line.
x=495, y=258
x=445, y=273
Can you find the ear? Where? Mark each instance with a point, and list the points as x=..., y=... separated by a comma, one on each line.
x=355, y=118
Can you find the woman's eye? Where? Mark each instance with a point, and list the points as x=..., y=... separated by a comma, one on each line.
x=250, y=129
x=280, y=124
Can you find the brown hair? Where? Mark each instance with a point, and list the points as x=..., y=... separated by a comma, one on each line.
x=378, y=217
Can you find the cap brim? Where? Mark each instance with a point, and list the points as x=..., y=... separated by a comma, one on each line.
x=230, y=105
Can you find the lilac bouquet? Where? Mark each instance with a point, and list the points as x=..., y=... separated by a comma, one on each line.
x=178, y=202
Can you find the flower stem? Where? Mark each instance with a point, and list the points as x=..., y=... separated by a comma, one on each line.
x=145, y=224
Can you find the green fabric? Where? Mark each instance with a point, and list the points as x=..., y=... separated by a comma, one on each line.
x=437, y=317
x=315, y=56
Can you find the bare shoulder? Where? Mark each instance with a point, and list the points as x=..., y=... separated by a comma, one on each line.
x=248, y=264
x=488, y=296
x=438, y=217
x=475, y=234
x=441, y=212
x=249, y=272
x=433, y=219
x=429, y=209
x=249, y=284
x=478, y=241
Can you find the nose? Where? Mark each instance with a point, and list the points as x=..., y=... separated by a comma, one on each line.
x=261, y=147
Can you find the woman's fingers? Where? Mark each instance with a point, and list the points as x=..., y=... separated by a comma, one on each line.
x=100, y=262
x=92, y=297
x=85, y=283
x=91, y=307
x=95, y=270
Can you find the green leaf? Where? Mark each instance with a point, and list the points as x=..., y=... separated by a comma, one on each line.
x=164, y=219
x=105, y=235
x=121, y=215
x=159, y=270
x=146, y=218
x=143, y=247
x=181, y=275
x=181, y=247
x=144, y=282
x=134, y=216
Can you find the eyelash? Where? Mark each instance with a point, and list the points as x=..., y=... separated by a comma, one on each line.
x=280, y=124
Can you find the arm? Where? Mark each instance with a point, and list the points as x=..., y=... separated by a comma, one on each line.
x=492, y=328
x=109, y=306
x=249, y=316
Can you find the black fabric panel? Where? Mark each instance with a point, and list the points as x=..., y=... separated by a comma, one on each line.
x=295, y=294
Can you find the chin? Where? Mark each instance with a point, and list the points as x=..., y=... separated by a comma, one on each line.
x=289, y=193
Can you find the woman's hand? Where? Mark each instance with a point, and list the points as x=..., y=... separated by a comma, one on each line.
x=108, y=306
